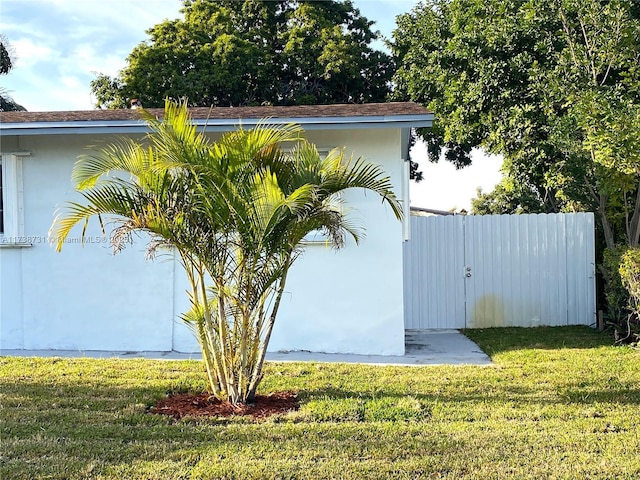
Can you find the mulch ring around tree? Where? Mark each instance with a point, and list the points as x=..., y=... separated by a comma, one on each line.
x=204, y=405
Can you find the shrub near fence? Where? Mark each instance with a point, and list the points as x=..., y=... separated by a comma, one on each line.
x=630, y=274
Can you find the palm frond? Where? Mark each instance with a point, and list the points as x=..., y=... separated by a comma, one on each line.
x=360, y=174
x=122, y=155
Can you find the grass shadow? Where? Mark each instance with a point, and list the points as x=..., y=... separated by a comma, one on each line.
x=569, y=393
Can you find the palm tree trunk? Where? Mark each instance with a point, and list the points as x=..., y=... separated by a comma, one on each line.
x=189, y=266
x=256, y=375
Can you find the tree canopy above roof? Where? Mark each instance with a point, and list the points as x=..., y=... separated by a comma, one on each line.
x=234, y=53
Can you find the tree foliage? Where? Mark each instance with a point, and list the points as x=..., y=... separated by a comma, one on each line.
x=6, y=63
x=508, y=197
x=7, y=104
x=236, y=211
x=231, y=53
x=552, y=85
x=549, y=85
x=518, y=78
x=629, y=271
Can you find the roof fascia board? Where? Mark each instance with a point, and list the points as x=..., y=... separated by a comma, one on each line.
x=215, y=125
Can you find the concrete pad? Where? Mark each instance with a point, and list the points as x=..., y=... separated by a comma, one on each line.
x=443, y=347
x=423, y=347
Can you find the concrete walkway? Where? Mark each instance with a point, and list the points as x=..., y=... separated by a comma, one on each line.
x=431, y=347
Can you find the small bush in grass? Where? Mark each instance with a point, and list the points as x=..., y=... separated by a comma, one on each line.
x=615, y=293
x=630, y=274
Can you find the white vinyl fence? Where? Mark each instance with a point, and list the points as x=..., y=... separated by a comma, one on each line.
x=500, y=270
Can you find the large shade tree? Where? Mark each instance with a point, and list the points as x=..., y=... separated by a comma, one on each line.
x=520, y=78
x=236, y=211
x=250, y=52
x=552, y=85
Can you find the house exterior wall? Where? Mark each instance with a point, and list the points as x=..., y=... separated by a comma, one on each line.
x=85, y=298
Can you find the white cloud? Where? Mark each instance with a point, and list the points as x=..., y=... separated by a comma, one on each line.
x=122, y=17
x=29, y=53
x=88, y=59
x=70, y=82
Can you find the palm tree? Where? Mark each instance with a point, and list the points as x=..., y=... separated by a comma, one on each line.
x=236, y=211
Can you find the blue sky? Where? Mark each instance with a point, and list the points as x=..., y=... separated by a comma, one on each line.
x=59, y=44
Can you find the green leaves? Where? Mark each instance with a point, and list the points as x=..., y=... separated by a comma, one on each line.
x=534, y=81
x=553, y=86
x=612, y=127
x=253, y=52
x=236, y=212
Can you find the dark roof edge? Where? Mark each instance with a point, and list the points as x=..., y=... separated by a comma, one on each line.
x=213, y=125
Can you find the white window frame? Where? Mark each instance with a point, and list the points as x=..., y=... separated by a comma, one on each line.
x=12, y=200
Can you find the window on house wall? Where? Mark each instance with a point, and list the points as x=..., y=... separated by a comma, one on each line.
x=11, y=219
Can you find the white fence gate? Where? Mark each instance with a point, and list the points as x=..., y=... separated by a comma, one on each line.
x=500, y=270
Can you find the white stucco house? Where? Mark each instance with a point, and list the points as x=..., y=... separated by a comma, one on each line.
x=85, y=298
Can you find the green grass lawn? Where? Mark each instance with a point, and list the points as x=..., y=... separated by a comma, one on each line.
x=558, y=403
